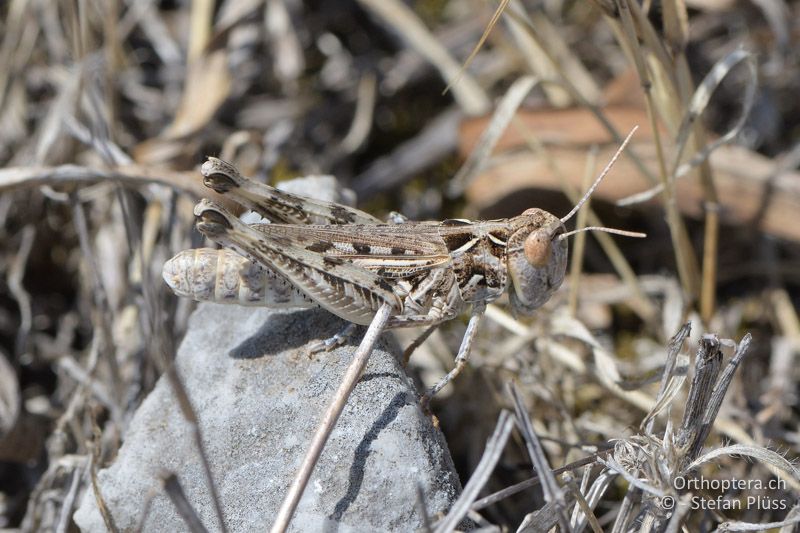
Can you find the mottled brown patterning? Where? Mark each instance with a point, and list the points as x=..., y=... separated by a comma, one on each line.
x=347, y=261
x=428, y=272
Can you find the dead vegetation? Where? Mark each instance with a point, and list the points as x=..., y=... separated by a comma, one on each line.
x=108, y=108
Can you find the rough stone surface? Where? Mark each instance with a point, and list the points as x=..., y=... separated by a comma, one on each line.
x=260, y=397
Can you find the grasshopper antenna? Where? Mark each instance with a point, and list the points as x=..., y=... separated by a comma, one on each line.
x=638, y=235
x=600, y=177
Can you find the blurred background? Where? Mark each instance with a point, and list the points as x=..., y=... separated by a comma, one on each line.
x=432, y=108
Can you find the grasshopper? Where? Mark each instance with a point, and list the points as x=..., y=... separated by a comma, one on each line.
x=318, y=253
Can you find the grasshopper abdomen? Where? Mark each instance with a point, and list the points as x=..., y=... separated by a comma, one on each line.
x=223, y=276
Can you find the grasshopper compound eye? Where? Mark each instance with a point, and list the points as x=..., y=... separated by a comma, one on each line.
x=537, y=248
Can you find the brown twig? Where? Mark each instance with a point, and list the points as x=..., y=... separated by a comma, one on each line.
x=329, y=419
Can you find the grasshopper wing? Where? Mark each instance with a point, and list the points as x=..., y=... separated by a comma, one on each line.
x=343, y=288
x=391, y=251
x=276, y=205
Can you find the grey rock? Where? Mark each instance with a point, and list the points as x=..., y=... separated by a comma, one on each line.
x=259, y=397
x=322, y=187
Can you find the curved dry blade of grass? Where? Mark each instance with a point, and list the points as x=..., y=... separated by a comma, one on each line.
x=362, y=117
x=495, y=497
x=579, y=246
x=688, y=270
x=632, y=478
x=759, y=453
x=402, y=20
x=494, y=448
x=673, y=386
x=550, y=488
x=582, y=508
x=605, y=363
x=494, y=130
x=699, y=102
x=701, y=99
x=16, y=274
x=792, y=519
x=779, y=17
x=489, y=27
x=670, y=383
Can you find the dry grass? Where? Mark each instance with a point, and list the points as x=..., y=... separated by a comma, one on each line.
x=107, y=109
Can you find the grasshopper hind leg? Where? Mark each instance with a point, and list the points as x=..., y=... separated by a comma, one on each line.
x=212, y=223
x=338, y=339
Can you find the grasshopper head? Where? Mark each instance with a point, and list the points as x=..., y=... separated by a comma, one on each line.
x=537, y=260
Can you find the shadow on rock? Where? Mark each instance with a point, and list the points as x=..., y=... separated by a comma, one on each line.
x=282, y=331
x=356, y=477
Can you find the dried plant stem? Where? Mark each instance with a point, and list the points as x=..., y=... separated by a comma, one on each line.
x=584, y=506
x=362, y=117
x=684, y=254
x=351, y=377
x=486, y=32
x=69, y=500
x=467, y=92
x=201, y=24
x=495, y=497
x=708, y=289
x=580, y=99
x=102, y=507
x=553, y=494
x=130, y=175
x=502, y=116
x=15, y=276
x=580, y=239
x=491, y=454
